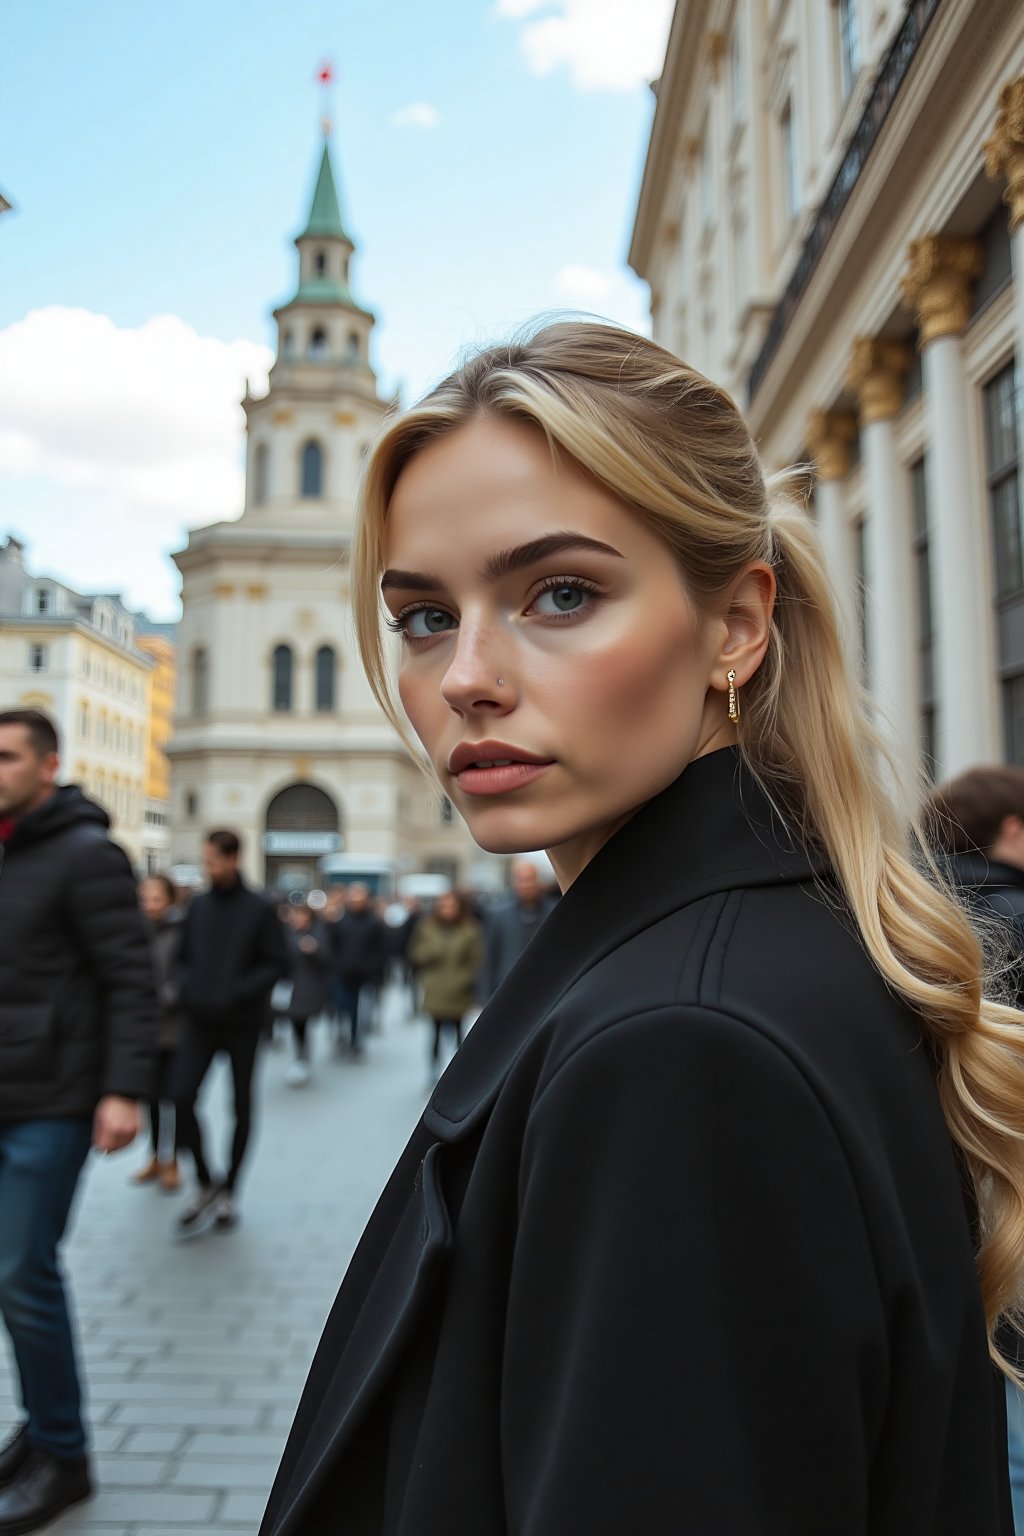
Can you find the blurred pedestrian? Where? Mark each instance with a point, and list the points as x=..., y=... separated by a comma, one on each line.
x=307, y=959
x=976, y=823
x=511, y=923
x=232, y=953
x=158, y=898
x=357, y=950
x=446, y=952
x=78, y=1042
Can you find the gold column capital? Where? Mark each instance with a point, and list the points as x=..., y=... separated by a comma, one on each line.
x=937, y=284
x=1004, y=151
x=876, y=374
x=717, y=45
x=830, y=439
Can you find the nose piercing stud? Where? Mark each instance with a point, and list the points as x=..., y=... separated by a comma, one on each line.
x=501, y=682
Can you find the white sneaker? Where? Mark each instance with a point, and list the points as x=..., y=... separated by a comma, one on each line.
x=192, y=1217
x=225, y=1211
x=297, y=1075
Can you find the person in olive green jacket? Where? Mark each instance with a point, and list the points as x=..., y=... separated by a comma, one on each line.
x=447, y=953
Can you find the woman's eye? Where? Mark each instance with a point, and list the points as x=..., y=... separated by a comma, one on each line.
x=424, y=622
x=565, y=598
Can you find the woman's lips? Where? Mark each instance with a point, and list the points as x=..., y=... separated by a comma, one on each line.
x=499, y=778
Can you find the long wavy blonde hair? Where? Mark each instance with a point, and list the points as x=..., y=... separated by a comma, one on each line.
x=674, y=447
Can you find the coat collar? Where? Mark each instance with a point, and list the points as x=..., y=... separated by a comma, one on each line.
x=714, y=829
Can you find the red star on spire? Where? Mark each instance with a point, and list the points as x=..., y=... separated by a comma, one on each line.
x=325, y=74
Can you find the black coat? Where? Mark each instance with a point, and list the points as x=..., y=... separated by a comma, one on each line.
x=358, y=948
x=232, y=952
x=308, y=973
x=78, y=1006
x=165, y=939
x=999, y=890
x=680, y=1245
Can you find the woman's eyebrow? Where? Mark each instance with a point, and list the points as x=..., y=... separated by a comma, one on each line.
x=503, y=563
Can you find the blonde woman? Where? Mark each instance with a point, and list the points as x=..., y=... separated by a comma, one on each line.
x=709, y=1226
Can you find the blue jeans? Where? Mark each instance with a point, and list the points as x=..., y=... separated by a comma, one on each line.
x=40, y=1161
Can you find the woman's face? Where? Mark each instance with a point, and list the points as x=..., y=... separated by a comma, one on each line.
x=447, y=907
x=545, y=626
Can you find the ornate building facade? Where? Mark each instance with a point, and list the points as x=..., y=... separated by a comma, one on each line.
x=831, y=220
x=276, y=732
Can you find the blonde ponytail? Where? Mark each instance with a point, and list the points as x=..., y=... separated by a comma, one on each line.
x=673, y=446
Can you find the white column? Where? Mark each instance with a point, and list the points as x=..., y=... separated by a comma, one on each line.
x=1004, y=161
x=830, y=439
x=876, y=374
x=937, y=285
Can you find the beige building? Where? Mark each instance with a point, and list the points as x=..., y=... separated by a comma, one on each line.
x=77, y=658
x=831, y=220
x=156, y=812
x=276, y=732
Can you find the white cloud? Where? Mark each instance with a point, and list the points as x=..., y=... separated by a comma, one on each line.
x=613, y=294
x=144, y=423
x=612, y=45
x=418, y=114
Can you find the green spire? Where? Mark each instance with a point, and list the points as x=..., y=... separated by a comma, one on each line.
x=325, y=214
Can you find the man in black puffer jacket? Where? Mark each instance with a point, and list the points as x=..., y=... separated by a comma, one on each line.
x=976, y=826
x=232, y=952
x=78, y=1035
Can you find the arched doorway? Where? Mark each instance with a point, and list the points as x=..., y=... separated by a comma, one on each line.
x=302, y=825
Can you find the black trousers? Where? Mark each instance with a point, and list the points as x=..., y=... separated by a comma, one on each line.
x=159, y=1121
x=198, y=1048
x=439, y=1025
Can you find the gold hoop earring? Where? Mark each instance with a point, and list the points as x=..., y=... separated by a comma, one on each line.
x=734, y=699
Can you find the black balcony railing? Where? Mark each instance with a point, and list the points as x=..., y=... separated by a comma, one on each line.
x=888, y=82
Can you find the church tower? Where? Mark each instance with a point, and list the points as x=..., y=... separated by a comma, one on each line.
x=277, y=735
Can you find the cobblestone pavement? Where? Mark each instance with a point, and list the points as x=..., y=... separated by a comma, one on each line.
x=195, y=1350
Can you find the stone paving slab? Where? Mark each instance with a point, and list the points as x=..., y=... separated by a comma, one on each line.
x=195, y=1350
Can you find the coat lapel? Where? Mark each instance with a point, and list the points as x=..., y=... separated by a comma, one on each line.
x=712, y=830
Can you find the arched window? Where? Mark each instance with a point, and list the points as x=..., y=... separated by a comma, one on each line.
x=281, y=683
x=288, y=344
x=326, y=667
x=312, y=469
x=318, y=343
x=320, y=264
x=200, y=681
x=259, y=473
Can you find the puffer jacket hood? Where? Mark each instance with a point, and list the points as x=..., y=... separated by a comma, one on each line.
x=66, y=807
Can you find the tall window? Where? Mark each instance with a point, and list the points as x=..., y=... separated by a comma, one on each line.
x=260, y=458
x=736, y=75
x=1002, y=442
x=1003, y=437
x=849, y=51
x=925, y=612
x=312, y=469
x=707, y=178
x=318, y=343
x=352, y=347
x=38, y=658
x=320, y=263
x=281, y=683
x=790, y=161
x=42, y=600
x=200, y=681
x=325, y=675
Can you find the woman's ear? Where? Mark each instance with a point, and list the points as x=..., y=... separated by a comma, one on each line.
x=750, y=603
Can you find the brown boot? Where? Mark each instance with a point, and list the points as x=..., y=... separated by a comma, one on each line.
x=170, y=1176
x=148, y=1174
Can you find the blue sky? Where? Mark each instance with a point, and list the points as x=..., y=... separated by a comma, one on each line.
x=160, y=158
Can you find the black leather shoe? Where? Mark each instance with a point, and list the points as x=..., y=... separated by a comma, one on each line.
x=13, y=1457
x=45, y=1485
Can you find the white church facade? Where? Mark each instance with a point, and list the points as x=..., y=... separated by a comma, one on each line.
x=277, y=735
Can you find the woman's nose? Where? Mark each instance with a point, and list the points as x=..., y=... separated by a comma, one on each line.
x=476, y=681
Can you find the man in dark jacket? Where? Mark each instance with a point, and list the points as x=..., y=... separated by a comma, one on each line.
x=357, y=949
x=232, y=952
x=78, y=1033
x=510, y=925
x=976, y=822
